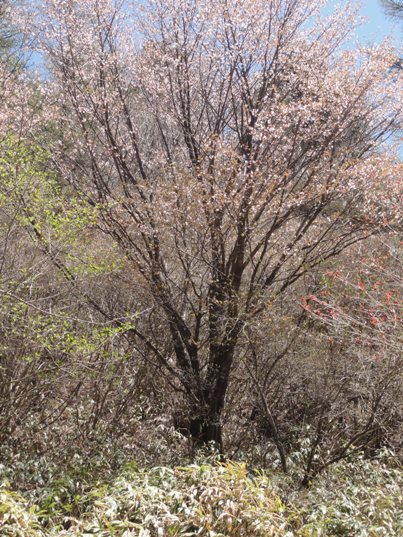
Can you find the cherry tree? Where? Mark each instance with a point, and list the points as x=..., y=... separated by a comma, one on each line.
x=229, y=147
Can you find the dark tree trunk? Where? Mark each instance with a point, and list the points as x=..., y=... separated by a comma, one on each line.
x=206, y=431
x=206, y=427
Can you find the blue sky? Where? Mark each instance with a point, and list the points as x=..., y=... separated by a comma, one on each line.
x=378, y=24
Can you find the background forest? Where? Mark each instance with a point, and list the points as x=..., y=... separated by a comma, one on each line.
x=200, y=270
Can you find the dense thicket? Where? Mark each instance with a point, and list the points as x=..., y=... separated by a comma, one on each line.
x=199, y=219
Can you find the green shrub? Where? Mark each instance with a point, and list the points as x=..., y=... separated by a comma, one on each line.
x=354, y=498
x=17, y=519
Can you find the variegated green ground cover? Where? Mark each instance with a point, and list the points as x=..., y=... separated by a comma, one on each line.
x=354, y=498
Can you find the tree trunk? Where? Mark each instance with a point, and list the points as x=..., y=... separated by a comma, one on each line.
x=206, y=428
x=206, y=431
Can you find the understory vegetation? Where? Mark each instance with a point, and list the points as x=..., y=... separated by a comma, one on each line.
x=356, y=497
